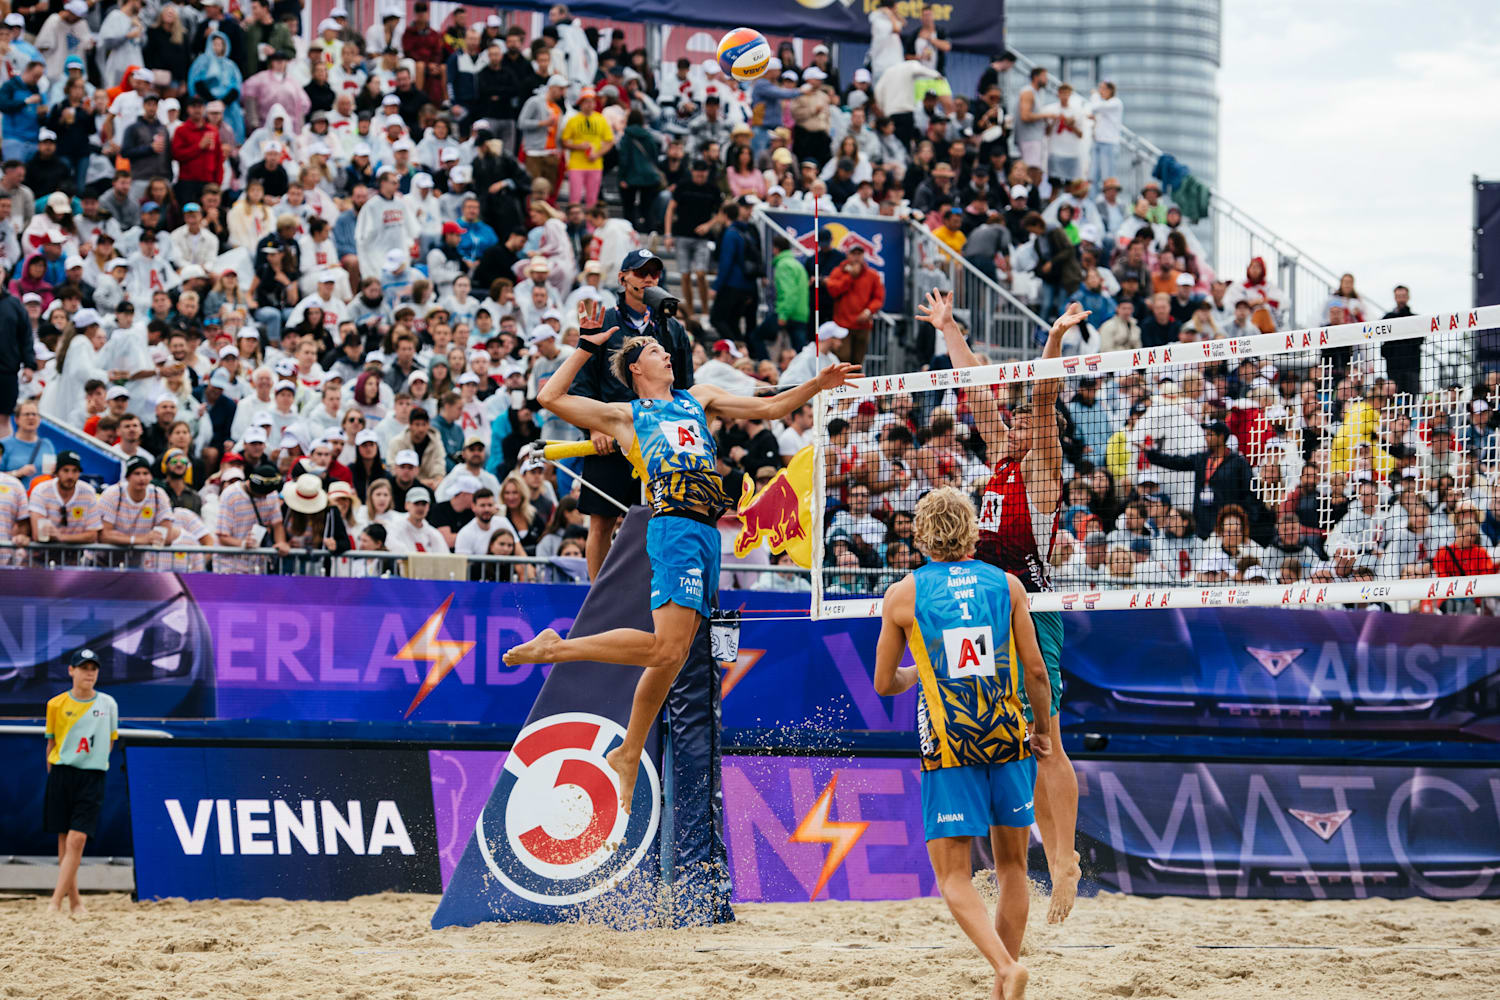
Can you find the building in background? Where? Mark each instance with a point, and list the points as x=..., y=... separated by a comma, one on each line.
x=1163, y=57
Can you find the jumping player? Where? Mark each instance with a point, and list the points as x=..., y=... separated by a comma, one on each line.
x=1017, y=522
x=665, y=434
x=973, y=644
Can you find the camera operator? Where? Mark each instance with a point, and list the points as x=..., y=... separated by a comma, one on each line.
x=644, y=309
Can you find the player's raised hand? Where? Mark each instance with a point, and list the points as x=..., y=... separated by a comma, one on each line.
x=1076, y=314
x=591, y=316
x=836, y=375
x=600, y=336
x=937, y=309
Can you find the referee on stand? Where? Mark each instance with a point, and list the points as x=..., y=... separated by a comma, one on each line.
x=82, y=724
x=608, y=470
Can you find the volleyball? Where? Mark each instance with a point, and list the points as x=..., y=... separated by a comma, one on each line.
x=744, y=53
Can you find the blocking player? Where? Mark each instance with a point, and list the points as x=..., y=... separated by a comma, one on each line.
x=970, y=634
x=1018, y=516
x=665, y=434
x=82, y=724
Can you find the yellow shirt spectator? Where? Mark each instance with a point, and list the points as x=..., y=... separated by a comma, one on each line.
x=592, y=128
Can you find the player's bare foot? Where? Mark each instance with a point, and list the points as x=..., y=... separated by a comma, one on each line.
x=538, y=650
x=54, y=907
x=1064, y=892
x=1010, y=983
x=79, y=909
x=626, y=768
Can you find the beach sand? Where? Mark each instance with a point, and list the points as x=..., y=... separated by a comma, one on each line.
x=380, y=948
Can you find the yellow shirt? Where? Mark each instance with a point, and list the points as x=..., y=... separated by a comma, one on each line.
x=82, y=731
x=954, y=238
x=592, y=128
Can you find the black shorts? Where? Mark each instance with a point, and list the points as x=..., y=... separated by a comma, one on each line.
x=73, y=800
x=613, y=474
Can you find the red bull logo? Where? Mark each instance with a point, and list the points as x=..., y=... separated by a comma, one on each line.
x=844, y=240
x=780, y=512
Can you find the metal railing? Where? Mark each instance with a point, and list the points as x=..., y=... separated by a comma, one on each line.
x=355, y=563
x=1000, y=324
x=1237, y=236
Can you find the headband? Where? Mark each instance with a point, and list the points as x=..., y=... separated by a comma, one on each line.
x=633, y=353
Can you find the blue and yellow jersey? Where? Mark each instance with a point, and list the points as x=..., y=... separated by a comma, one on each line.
x=675, y=455
x=82, y=730
x=969, y=708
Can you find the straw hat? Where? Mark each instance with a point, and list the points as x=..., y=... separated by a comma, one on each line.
x=305, y=494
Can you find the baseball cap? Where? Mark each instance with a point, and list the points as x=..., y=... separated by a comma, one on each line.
x=452, y=228
x=289, y=441
x=77, y=8
x=469, y=378
x=1096, y=538
x=832, y=331
x=813, y=73
x=422, y=179
x=1185, y=279
x=85, y=317
x=144, y=75
x=220, y=379
x=637, y=259
x=407, y=457
x=68, y=458
x=861, y=75
x=135, y=464
x=366, y=436
x=727, y=347
x=539, y=333
x=463, y=484
x=418, y=494
x=47, y=135
x=285, y=385
x=84, y=657
x=255, y=435
x=117, y=392
x=474, y=437
x=286, y=368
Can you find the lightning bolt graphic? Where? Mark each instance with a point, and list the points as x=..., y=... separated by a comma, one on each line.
x=443, y=654
x=817, y=828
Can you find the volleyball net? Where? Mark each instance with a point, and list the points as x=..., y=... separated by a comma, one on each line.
x=1353, y=464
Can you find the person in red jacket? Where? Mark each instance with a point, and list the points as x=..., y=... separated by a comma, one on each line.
x=1467, y=554
x=199, y=152
x=858, y=293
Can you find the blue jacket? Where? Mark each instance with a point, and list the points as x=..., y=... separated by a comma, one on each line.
x=1101, y=305
x=732, y=260
x=477, y=238
x=343, y=233
x=21, y=121
x=770, y=95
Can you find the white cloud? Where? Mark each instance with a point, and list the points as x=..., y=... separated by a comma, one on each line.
x=1353, y=129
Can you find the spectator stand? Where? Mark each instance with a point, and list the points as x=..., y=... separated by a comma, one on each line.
x=1000, y=324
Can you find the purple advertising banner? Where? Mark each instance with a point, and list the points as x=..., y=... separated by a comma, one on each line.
x=1289, y=831
x=461, y=784
x=803, y=828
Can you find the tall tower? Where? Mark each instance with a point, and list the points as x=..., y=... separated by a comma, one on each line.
x=1163, y=55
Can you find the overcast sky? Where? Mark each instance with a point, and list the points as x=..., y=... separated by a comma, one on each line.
x=1353, y=127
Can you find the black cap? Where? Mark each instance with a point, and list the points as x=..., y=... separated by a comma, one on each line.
x=1217, y=427
x=82, y=657
x=136, y=463
x=68, y=458
x=699, y=164
x=263, y=480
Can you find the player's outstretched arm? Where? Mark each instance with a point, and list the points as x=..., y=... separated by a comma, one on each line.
x=723, y=403
x=1044, y=392
x=897, y=614
x=1033, y=668
x=938, y=310
x=580, y=411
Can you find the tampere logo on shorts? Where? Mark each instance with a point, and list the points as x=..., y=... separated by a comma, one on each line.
x=562, y=838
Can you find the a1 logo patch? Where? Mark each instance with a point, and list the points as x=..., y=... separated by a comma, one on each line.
x=970, y=652
x=685, y=437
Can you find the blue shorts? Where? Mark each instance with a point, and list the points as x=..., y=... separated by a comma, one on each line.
x=1049, y=636
x=967, y=801
x=685, y=557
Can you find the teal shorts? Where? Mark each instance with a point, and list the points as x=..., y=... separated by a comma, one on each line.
x=1049, y=636
x=967, y=801
x=685, y=557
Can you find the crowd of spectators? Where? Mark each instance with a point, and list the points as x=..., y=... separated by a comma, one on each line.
x=310, y=289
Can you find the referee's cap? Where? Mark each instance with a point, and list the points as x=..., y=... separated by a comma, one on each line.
x=84, y=658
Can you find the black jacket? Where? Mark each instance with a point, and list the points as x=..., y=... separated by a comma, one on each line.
x=1229, y=484
x=596, y=381
x=518, y=81
x=50, y=174
x=16, y=347
x=505, y=209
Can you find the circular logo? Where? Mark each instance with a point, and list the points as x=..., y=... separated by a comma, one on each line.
x=562, y=837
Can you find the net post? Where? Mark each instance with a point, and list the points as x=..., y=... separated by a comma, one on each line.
x=819, y=501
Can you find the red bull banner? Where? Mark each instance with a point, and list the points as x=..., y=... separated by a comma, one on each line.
x=781, y=513
x=883, y=240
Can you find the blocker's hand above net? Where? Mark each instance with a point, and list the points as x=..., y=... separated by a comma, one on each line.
x=836, y=375
x=1076, y=314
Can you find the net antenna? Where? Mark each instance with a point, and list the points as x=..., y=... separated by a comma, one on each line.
x=1367, y=434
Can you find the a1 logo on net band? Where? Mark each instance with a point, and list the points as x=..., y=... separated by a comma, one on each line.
x=554, y=833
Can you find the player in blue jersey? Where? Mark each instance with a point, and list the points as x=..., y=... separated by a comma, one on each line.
x=665, y=434
x=970, y=634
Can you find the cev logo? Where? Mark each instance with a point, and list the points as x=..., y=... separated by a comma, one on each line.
x=563, y=838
